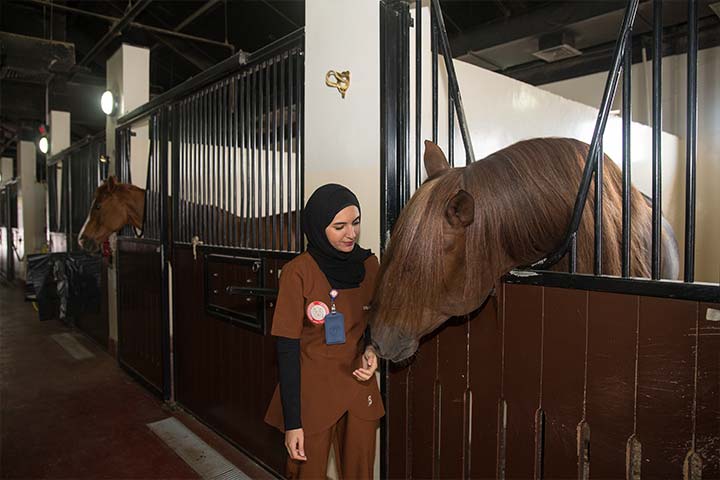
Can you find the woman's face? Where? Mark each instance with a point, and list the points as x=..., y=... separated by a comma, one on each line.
x=343, y=230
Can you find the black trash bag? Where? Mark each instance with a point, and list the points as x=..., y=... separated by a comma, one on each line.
x=65, y=285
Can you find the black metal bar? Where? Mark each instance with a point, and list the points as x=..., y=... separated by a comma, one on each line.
x=274, y=156
x=233, y=140
x=657, y=139
x=195, y=187
x=627, y=168
x=289, y=151
x=183, y=174
x=418, y=91
x=255, y=160
x=453, y=85
x=573, y=254
x=281, y=174
x=266, y=176
x=700, y=292
x=451, y=130
x=434, y=69
x=405, y=111
x=610, y=87
x=691, y=143
x=205, y=169
x=214, y=73
x=598, y=210
x=300, y=145
x=244, y=155
x=164, y=219
x=224, y=179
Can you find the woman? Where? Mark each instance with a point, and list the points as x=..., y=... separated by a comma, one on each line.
x=327, y=394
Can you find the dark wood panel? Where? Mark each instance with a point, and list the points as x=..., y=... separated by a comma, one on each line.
x=422, y=393
x=452, y=377
x=95, y=323
x=563, y=378
x=139, y=309
x=485, y=373
x=521, y=376
x=707, y=436
x=397, y=418
x=225, y=373
x=612, y=324
x=665, y=384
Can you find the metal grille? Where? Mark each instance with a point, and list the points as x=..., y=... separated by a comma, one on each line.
x=240, y=161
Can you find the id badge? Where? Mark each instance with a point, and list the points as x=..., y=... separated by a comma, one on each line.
x=334, y=328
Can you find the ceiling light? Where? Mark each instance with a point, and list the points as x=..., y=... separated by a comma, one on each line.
x=43, y=144
x=108, y=103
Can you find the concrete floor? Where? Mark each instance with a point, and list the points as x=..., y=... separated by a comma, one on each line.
x=67, y=418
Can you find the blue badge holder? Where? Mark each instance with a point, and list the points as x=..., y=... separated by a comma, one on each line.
x=334, y=328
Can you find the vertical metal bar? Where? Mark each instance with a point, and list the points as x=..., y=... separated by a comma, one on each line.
x=233, y=133
x=573, y=254
x=273, y=184
x=205, y=168
x=598, y=210
x=405, y=122
x=626, y=171
x=418, y=90
x=281, y=183
x=290, y=196
x=224, y=178
x=164, y=237
x=691, y=143
x=244, y=154
x=608, y=94
x=434, y=56
x=217, y=203
x=657, y=138
x=195, y=147
x=253, y=172
x=250, y=156
x=451, y=130
x=300, y=142
x=266, y=176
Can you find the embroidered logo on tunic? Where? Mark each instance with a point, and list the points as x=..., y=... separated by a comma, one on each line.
x=369, y=400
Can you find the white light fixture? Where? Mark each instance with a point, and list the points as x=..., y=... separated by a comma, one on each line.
x=556, y=46
x=108, y=103
x=43, y=144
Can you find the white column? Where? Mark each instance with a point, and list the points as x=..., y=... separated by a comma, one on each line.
x=59, y=141
x=30, y=236
x=128, y=77
x=6, y=169
x=342, y=136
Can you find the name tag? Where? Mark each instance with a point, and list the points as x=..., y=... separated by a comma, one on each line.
x=334, y=328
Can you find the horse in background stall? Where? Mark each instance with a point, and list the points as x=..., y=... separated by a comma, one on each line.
x=118, y=204
x=466, y=227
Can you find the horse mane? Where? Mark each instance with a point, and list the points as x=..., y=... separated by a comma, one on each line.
x=524, y=195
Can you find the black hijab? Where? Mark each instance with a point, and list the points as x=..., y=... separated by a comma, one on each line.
x=342, y=269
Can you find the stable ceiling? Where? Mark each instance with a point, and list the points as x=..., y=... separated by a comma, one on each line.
x=63, y=42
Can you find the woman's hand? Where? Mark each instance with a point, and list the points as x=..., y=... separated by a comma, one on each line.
x=295, y=444
x=369, y=361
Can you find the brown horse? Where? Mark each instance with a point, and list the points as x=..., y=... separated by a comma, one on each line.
x=464, y=228
x=118, y=204
x=114, y=206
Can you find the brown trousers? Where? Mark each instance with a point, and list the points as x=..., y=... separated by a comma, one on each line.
x=354, y=443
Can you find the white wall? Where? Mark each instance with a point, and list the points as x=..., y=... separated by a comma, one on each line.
x=31, y=206
x=588, y=90
x=342, y=136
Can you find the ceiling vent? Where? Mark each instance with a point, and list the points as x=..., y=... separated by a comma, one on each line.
x=556, y=46
x=715, y=8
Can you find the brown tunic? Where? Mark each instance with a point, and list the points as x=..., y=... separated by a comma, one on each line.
x=328, y=388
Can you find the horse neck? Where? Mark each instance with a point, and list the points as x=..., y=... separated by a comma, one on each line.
x=519, y=222
x=134, y=199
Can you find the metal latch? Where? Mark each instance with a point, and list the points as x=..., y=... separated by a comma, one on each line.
x=195, y=242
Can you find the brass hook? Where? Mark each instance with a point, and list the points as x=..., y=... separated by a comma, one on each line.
x=341, y=82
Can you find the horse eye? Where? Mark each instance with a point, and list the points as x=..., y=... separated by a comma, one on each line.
x=97, y=206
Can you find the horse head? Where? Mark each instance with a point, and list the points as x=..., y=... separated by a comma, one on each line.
x=422, y=279
x=114, y=206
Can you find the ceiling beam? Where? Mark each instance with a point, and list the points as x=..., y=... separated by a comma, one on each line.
x=533, y=23
x=115, y=30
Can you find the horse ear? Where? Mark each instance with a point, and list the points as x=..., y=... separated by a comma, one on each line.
x=460, y=211
x=435, y=161
x=111, y=183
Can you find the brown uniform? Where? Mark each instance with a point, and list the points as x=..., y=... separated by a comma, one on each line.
x=328, y=389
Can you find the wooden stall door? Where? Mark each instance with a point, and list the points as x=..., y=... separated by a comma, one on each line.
x=139, y=310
